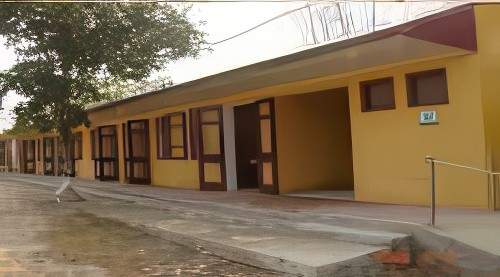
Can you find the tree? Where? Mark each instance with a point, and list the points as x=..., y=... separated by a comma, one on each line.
x=66, y=51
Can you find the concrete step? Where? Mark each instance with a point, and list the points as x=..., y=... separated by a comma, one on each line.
x=371, y=237
x=294, y=253
x=297, y=251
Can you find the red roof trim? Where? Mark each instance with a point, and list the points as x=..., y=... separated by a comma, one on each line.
x=457, y=30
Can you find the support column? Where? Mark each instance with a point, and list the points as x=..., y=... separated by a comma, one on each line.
x=229, y=147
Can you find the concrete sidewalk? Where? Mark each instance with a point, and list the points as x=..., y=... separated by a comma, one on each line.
x=461, y=231
x=476, y=227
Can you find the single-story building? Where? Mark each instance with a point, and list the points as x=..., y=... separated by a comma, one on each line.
x=357, y=115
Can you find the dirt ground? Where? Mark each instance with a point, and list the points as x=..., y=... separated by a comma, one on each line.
x=39, y=237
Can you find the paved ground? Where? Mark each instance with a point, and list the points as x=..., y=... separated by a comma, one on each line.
x=233, y=208
x=40, y=237
x=476, y=227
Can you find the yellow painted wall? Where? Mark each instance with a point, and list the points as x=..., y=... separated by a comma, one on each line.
x=487, y=26
x=173, y=173
x=390, y=146
x=84, y=168
x=314, y=141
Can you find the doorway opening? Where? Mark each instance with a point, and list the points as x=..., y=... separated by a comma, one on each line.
x=48, y=156
x=246, y=131
x=255, y=146
x=29, y=156
x=315, y=144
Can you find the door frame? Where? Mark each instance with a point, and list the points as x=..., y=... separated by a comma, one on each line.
x=131, y=160
x=268, y=157
x=102, y=160
x=211, y=158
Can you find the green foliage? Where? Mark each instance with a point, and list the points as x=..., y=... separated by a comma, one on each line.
x=67, y=52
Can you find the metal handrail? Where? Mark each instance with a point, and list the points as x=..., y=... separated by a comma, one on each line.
x=433, y=162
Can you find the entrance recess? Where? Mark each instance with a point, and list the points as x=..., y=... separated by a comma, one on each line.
x=267, y=166
x=108, y=153
x=211, y=146
x=29, y=156
x=48, y=156
x=137, y=152
x=246, y=132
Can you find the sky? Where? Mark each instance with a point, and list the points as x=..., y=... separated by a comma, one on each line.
x=222, y=20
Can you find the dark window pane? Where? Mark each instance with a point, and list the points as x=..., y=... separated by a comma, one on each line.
x=377, y=95
x=427, y=88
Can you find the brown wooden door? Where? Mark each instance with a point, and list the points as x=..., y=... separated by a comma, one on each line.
x=108, y=153
x=267, y=166
x=211, y=146
x=138, y=152
x=246, y=126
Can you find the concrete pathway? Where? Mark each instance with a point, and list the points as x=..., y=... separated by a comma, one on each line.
x=472, y=227
x=476, y=227
x=40, y=237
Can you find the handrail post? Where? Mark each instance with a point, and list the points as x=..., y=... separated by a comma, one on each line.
x=430, y=160
x=492, y=191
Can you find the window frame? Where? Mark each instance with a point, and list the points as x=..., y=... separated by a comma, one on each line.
x=411, y=91
x=164, y=138
x=365, y=97
x=78, y=151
